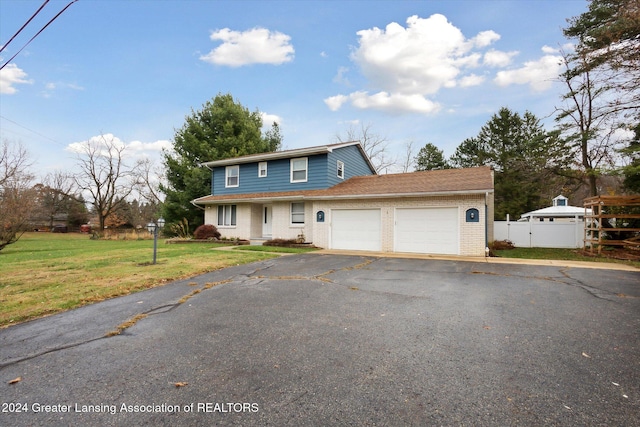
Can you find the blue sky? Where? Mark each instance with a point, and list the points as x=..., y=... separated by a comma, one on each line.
x=421, y=71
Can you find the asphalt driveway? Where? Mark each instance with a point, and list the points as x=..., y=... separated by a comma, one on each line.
x=323, y=340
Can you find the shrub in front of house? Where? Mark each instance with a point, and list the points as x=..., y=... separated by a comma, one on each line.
x=206, y=232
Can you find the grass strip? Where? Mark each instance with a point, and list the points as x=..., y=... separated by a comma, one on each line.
x=562, y=254
x=46, y=273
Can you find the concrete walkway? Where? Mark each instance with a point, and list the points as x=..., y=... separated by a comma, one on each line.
x=489, y=260
x=331, y=340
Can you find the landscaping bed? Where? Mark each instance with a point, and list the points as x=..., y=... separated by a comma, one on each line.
x=233, y=242
x=289, y=243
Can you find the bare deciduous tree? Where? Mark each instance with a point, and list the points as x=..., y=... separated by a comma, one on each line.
x=408, y=161
x=608, y=35
x=149, y=178
x=588, y=119
x=374, y=145
x=16, y=195
x=104, y=175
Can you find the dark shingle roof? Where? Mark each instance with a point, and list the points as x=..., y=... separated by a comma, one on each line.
x=447, y=181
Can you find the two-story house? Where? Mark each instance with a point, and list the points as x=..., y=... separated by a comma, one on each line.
x=332, y=196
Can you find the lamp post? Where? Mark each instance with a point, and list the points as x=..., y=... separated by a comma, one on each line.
x=153, y=228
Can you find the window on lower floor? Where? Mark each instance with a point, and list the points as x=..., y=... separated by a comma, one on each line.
x=226, y=215
x=297, y=213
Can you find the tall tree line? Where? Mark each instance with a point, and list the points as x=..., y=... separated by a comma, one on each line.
x=602, y=81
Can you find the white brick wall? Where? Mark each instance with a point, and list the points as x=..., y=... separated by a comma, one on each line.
x=241, y=230
x=472, y=234
x=249, y=219
x=282, y=226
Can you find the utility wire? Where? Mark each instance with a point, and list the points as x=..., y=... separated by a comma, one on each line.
x=25, y=24
x=38, y=33
x=30, y=130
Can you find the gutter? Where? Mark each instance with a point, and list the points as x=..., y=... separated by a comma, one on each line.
x=196, y=205
x=341, y=197
x=486, y=225
x=397, y=195
x=323, y=149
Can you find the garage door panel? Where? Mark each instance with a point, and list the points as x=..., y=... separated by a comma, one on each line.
x=427, y=230
x=356, y=229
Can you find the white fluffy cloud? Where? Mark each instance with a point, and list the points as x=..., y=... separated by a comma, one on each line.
x=51, y=87
x=384, y=101
x=10, y=76
x=539, y=74
x=144, y=148
x=269, y=119
x=422, y=58
x=485, y=38
x=407, y=64
x=132, y=150
x=341, y=76
x=549, y=49
x=496, y=58
x=471, y=80
x=336, y=102
x=255, y=46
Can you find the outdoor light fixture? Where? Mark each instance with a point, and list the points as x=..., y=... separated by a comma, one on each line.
x=153, y=227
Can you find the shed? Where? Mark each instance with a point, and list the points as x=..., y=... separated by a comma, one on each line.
x=559, y=210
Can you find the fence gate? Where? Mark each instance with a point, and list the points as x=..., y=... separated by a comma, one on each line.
x=541, y=234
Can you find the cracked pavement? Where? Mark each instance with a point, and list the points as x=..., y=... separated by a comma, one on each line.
x=321, y=339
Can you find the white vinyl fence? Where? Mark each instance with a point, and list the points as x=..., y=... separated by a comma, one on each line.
x=539, y=234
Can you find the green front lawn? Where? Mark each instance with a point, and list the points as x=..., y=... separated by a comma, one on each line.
x=45, y=273
x=564, y=254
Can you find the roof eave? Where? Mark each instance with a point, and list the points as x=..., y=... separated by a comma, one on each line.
x=310, y=197
x=396, y=195
x=309, y=151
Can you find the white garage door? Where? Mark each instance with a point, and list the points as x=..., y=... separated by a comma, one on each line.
x=428, y=231
x=356, y=229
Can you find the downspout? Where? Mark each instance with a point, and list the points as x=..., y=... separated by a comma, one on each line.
x=204, y=164
x=192, y=201
x=486, y=224
x=197, y=206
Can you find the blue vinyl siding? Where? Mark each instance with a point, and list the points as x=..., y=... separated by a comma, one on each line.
x=321, y=174
x=354, y=165
x=278, y=177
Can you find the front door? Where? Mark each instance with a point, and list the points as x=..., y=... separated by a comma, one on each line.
x=266, y=221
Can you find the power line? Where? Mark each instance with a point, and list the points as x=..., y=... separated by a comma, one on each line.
x=31, y=130
x=38, y=33
x=22, y=28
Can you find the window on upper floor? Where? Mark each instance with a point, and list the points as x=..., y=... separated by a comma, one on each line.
x=262, y=169
x=226, y=215
x=340, y=169
x=232, y=174
x=297, y=213
x=299, y=169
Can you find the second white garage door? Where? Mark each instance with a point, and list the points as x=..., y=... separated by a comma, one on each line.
x=356, y=229
x=428, y=231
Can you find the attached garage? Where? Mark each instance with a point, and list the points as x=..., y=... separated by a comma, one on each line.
x=427, y=230
x=448, y=212
x=356, y=229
